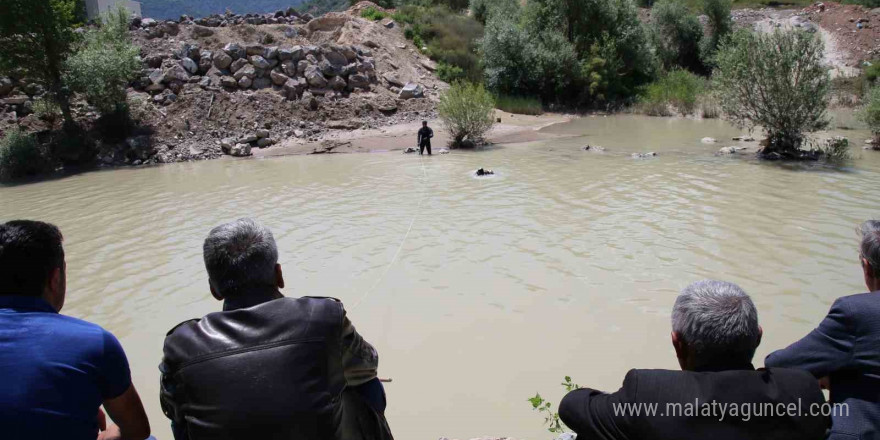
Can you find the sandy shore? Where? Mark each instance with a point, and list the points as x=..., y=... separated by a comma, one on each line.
x=511, y=129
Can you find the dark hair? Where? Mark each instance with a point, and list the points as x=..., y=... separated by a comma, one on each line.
x=29, y=252
x=425, y=122
x=869, y=249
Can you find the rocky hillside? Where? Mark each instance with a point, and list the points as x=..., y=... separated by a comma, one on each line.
x=230, y=83
x=166, y=9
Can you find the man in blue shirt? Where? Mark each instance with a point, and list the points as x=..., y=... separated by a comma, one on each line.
x=56, y=371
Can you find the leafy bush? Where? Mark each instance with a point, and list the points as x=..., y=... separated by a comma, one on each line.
x=47, y=110
x=870, y=113
x=449, y=73
x=105, y=64
x=866, y=3
x=872, y=72
x=720, y=25
x=519, y=105
x=374, y=14
x=837, y=149
x=676, y=34
x=551, y=418
x=466, y=110
x=483, y=10
x=450, y=38
x=20, y=156
x=571, y=51
x=777, y=81
x=680, y=90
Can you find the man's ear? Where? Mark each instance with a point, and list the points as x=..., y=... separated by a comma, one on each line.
x=760, y=335
x=681, y=349
x=55, y=288
x=214, y=293
x=279, y=277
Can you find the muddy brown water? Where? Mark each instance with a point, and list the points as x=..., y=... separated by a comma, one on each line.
x=478, y=293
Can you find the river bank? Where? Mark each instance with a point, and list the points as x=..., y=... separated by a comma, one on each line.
x=398, y=137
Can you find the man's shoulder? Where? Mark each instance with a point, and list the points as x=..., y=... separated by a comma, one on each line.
x=75, y=328
x=860, y=303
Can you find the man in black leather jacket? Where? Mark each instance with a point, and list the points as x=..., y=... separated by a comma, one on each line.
x=267, y=366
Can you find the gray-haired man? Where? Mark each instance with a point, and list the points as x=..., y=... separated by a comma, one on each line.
x=718, y=395
x=267, y=366
x=845, y=349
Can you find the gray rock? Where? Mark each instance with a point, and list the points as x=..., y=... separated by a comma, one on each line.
x=301, y=66
x=238, y=64
x=293, y=89
x=155, y=60
x=201, y=31
x=157, y=76
x=155, y=89
x=15, y=100
x=265, y=142
x=189, y=65
x=235, y=51
x=271, y=53
x=411, y=90
x=315, y=77
x=349, y=53
x=222, y=60
x=278, y=78
x=245, y=82
x=228, y=81
x=388, y=23
x=148, y=22
x=189, y=50
x=227, y=144
x=259, y=62
x=262, y=133
x=248, y=138
x=289, y=68
x=247, y=71
x=255, y=49
x=335, y=58
x=294, y=53
x=240, y=150
x=329, y=69
x=205, y=82
x=176, y=73
x=392, y=79
x=337, y=83
x=359, y=81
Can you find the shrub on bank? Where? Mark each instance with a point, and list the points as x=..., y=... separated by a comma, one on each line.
x=105, y=63
x=374, y=14
x=467, y=111
x=451, y=38
x=777, y=81
x=20, y=156
x=720, y=25
x=519, y=105
x=870, y=114
x=677, y=34
x=678, y=91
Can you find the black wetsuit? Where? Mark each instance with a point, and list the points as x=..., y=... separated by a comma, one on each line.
x=425, y=135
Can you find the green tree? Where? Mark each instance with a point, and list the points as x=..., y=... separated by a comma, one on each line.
x=20, y=156
x=870, y=113
x=35, y=41
x=105, y=63
x=677, y=34
x=720, y=25
x=466, y=110
x=777, y=81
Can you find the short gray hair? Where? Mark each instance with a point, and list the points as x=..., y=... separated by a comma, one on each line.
x=240, y=254
x=717, y=319
x=870, y=246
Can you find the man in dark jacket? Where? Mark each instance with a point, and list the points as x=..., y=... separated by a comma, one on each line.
x=718, y=395
x=424, y=138
x=267, y=367
x=844, y=350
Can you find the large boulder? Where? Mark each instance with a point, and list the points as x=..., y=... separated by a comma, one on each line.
x=235, y=51
x=228, y=82
x=271, y=53
x=289, y=68
x=335, y=58
x=301, y=66
x=278, y=78
x=176, y=73
x=411, y=90
x=294, y=53
x=359, y=81
x=238, y=64
x=222, y=60
x=315, y=77
x=245, y=82
x=201, y=31
x=337, y=83
x=259, y=62
x=191, y=66
x=255, y=49
x=247, y=71
x=329, y=69
x=293, y=88
x=240, y=150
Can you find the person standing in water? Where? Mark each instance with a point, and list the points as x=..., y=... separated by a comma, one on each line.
x=425, y=135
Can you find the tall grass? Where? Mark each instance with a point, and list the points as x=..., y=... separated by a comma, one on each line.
x=519, y=105
x=678, y=91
